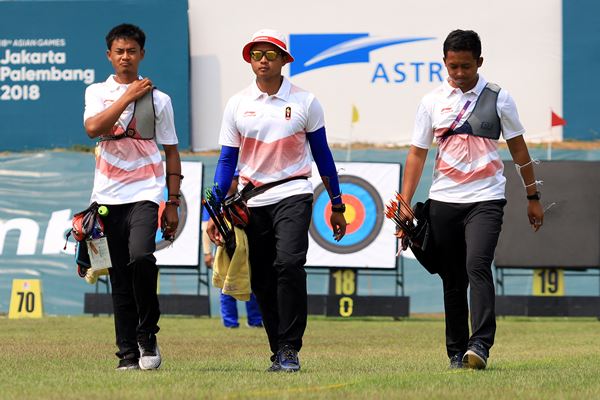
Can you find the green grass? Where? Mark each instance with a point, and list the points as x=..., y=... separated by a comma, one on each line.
x=68, y=358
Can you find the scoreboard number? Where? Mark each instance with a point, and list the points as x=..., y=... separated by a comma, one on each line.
x=343, y=286
x=548, y=282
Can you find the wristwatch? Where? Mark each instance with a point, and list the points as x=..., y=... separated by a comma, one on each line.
x=341, y=208
x=535, y=196
x=175, y=203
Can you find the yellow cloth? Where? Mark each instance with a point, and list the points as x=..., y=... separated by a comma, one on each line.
x=91, y=277
x=233, y=276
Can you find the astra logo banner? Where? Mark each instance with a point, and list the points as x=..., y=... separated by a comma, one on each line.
x=313, y=51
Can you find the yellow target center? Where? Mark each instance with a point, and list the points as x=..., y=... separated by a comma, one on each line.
x=350, y=213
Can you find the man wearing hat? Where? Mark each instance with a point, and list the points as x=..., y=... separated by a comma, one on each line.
x=272, y=131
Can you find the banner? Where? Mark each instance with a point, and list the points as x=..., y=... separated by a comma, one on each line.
x=380, y=57
x=39, y=193
x=369, y=241
x=50, y=51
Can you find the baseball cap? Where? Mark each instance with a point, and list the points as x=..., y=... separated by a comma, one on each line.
x=267, y=36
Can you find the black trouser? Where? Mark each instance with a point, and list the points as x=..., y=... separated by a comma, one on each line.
x=466, y=236
x=278, y=242
x=131, y=231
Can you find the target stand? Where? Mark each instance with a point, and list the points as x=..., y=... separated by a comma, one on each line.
x=367, y=251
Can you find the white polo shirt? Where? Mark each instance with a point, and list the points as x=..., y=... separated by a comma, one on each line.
x=467, y=168
x=270, y=132
x=129, y=170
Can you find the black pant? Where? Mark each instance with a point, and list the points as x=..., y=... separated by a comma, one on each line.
x=278, y=243
x=131, y=231
x=466, y=236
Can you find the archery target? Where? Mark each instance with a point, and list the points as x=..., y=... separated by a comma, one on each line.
x=364, y=215
x=184, y=251
x=181, y=211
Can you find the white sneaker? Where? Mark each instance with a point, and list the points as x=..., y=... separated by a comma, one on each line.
x=149, y=354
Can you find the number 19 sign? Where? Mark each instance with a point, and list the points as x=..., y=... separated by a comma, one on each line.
x=25, y=299
x=548, y=282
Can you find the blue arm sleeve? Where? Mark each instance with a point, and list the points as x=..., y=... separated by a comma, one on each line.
x=325, y=164
x=205, y=216
x=225, y=170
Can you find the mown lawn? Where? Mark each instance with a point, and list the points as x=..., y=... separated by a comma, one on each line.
x=73, y=358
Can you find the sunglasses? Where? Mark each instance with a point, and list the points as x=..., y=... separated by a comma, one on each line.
x=271, y=55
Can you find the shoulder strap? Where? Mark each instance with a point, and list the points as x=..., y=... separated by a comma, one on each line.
x=250, y=190
x=142, y=125
x=144, y=118
x=493, y=87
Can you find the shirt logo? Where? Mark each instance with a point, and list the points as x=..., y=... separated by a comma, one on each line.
x=288, y=113
x=446, y=109
x=250, y=114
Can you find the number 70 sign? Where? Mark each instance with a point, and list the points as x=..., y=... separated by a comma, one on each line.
x=25, y=299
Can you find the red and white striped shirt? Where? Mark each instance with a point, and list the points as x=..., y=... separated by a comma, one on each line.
x=129, y=170
x=468, y=168
x=270, y=132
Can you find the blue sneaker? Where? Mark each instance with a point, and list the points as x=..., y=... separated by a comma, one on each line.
x=288, y=359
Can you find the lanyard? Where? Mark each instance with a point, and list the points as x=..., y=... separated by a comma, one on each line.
x=460, y=115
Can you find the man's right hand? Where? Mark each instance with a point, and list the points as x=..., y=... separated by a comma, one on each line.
x=213, y=233
x=137, y=89
x=404, y=211
x=208, y=260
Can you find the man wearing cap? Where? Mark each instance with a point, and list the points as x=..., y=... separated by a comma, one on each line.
x=272, y=131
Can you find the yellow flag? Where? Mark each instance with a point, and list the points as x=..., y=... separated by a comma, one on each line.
x=355, y=115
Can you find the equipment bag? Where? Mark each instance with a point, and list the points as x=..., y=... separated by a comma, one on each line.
x=421, y=243
x=235, y=207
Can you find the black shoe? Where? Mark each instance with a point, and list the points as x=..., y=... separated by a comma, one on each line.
x=149, y=352
x=456, y=361
x=288, y=359
x=475, y=357
x=275, y=366
x=130, y=363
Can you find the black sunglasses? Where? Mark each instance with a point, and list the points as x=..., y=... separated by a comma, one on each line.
x=258, y=55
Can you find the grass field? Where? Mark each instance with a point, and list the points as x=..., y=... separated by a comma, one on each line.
x=72, y=357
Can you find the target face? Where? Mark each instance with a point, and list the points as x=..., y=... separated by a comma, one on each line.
x=182, y=211
x=364, y=215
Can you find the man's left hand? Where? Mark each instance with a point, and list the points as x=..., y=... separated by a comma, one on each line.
x=535, y=213
x=338, y=223
x=169, y=221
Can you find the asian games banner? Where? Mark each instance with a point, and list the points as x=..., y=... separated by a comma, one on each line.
x=50, y=51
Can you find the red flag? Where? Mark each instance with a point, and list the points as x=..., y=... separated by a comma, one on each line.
x=556, y=120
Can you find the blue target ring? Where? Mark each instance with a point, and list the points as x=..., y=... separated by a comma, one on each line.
x=364, y=213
